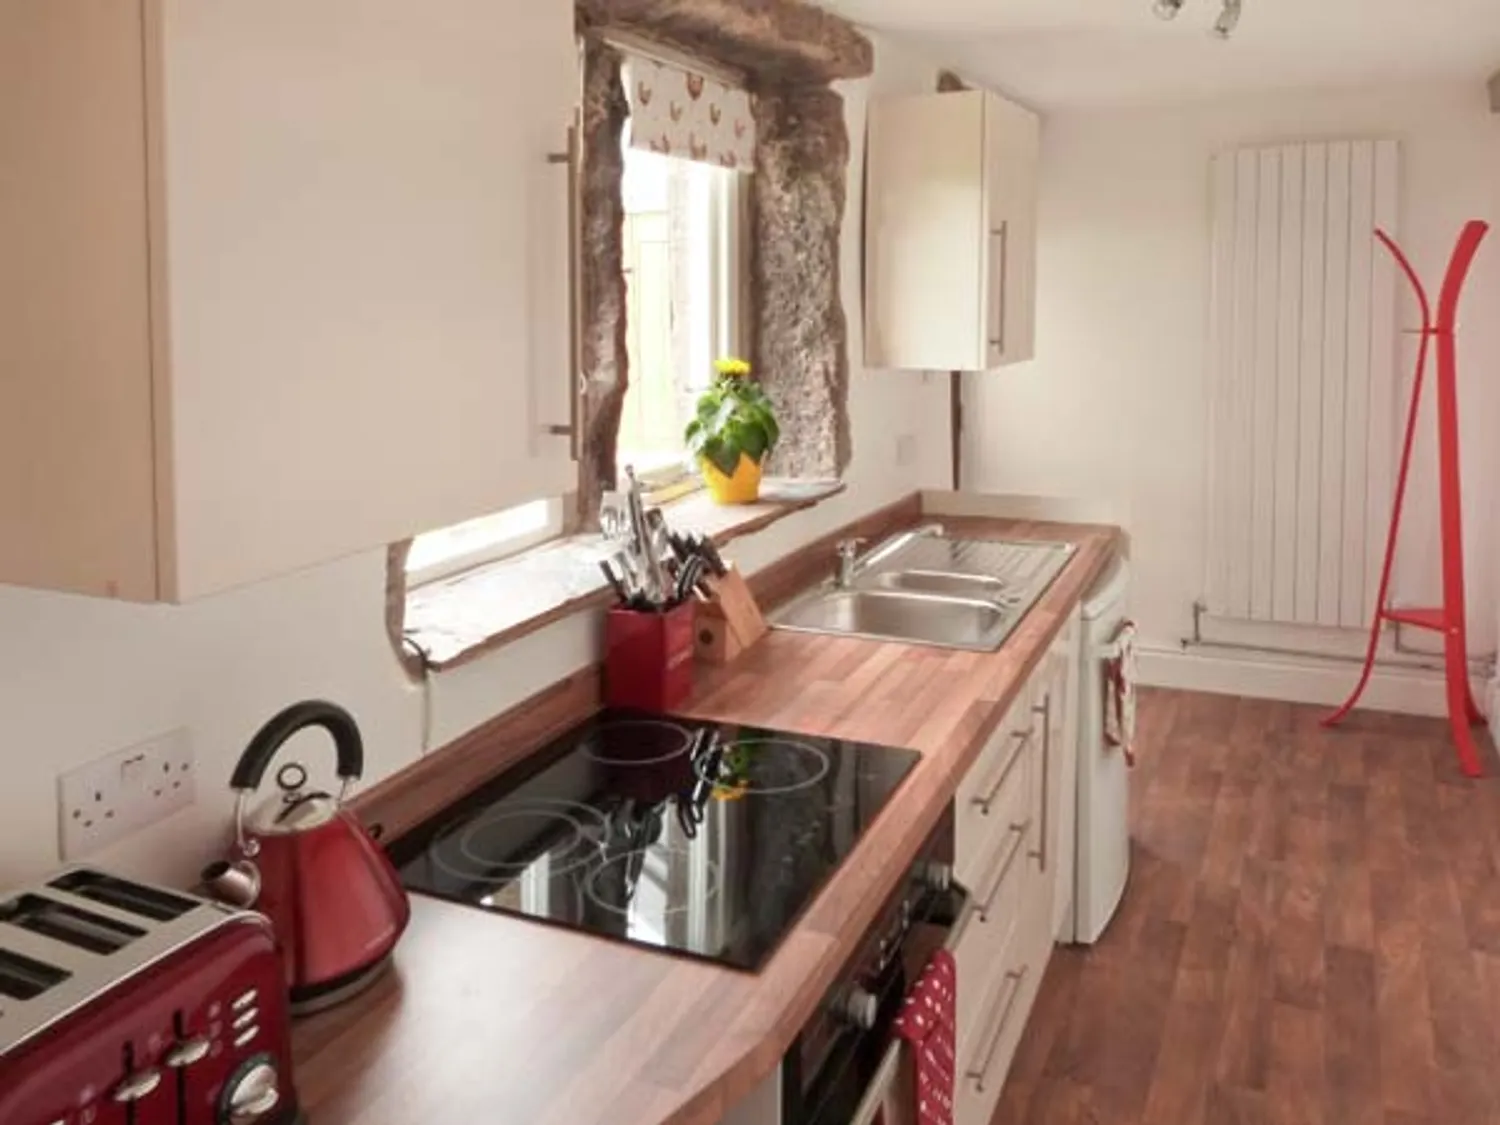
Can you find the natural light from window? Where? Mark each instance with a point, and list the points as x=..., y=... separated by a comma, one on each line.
x=681, y=255
x=450, y=550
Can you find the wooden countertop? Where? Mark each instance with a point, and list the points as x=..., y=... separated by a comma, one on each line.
x=495, y=1019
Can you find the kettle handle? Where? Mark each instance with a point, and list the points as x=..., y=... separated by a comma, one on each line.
x=256, y=759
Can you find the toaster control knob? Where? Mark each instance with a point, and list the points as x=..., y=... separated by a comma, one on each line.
x=141, y=1084
x=251, y=1094
x=188, y=1052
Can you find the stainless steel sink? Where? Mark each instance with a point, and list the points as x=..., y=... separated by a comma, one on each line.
x=919, y=618
x=924, y=588
x=942, y=584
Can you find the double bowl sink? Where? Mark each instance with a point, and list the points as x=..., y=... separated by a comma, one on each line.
x=925, y=588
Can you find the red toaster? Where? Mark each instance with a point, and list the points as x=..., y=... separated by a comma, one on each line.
x=127, y=1004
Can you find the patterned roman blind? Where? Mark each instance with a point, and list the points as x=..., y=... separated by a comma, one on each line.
x=681, y=113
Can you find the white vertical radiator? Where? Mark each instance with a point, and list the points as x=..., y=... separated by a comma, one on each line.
x=1304, y=386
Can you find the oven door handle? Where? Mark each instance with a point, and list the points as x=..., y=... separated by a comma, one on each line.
x=881, y=1086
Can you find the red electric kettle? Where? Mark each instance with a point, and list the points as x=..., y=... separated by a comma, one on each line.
x=303, y=860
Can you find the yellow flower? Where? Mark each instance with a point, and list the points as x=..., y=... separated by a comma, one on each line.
x=732, y=367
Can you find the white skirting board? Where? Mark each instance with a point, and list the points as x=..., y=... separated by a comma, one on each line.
x=1412, y=691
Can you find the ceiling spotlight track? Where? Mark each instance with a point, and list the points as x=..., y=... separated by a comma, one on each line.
x=1229, y=17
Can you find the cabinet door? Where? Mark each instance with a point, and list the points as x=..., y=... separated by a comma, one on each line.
x=1062, y=741
x=1056, y=781
x=366, y=330
x=924, y=257
x=1012, y=156
x=77, y=492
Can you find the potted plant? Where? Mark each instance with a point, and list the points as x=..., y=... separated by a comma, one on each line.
x=732, y=433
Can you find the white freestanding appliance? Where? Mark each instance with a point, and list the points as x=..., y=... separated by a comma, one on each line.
x=1103, y=855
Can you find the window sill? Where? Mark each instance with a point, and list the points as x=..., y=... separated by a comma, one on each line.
x=456, y=619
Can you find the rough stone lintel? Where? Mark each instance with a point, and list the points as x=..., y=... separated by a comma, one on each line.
x=773, y=41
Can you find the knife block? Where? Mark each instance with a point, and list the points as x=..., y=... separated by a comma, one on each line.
x=648, y=663
x=730, y=621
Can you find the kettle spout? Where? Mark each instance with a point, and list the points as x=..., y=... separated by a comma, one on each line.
x=234, y=884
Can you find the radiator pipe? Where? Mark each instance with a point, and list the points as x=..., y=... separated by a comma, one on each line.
x=1482, y=666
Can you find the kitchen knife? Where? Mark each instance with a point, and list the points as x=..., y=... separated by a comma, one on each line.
x=654, y=586
x=711, y=555
x=614, y=582
x=690, y=578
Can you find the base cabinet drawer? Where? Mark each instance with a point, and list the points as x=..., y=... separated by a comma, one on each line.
x=995, y=795
x=995, y=914
x=987, y=1048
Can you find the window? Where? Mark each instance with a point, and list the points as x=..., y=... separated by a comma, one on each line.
x=450, y=550
x=682, y=236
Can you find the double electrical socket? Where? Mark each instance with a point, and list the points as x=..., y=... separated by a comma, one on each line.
x=114, y=796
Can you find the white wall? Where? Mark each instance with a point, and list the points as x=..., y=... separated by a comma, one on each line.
x=80, y=678
x=1113, y=411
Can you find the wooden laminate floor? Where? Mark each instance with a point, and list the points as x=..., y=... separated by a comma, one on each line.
x=1311, y=935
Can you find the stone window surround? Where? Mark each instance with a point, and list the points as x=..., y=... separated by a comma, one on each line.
x=789, y=52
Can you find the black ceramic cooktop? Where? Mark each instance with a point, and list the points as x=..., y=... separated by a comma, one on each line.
x=700, y=838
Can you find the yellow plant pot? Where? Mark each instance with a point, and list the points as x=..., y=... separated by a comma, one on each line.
x=741, y=488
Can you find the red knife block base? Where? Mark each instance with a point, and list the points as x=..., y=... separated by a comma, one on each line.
x=649, y=658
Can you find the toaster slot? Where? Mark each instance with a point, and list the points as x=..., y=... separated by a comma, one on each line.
x=147, y=902
x=21, y=978
x=64, y=923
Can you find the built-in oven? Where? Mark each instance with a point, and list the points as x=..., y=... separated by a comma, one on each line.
x=848, y=1067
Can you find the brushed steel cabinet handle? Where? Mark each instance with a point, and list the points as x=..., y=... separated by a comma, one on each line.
x=573, y=430
x=1022, y=740
x=1003, y=234
x=1018, y=832
x=1044, y=711
x=979, y=1071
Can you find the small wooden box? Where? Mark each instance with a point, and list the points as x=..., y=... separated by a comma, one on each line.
x=729, y=623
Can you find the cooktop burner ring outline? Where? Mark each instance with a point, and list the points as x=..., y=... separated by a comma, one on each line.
x=476, y=867
x=824, y=765
x=591, y=751
x=666, y=854
x=564, y=785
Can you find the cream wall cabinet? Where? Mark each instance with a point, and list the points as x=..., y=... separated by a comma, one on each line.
x=950, y=237
x=281, y=281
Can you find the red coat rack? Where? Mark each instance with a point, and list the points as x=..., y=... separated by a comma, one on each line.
x=1449, y=618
